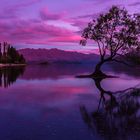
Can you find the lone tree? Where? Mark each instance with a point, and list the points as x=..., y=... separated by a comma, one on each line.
x=116, y=33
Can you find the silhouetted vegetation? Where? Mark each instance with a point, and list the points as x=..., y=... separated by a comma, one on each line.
x=117, y=116
x=9, y=55
x=9, y=75
x=116, y=34
x=134, y=56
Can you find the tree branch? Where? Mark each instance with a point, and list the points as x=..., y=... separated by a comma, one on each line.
x=119, y=61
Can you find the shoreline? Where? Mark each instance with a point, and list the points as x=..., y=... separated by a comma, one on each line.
x=11, y=65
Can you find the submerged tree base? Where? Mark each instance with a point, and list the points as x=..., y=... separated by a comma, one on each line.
x=96, y=75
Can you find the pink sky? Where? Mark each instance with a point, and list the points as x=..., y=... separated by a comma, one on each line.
x=52, y=23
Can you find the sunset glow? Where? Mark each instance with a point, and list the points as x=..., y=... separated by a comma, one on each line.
x=52, y=24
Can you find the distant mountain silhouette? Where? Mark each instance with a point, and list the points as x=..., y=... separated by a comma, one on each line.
x=42, y=56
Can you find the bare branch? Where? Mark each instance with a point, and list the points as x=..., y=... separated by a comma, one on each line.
x=120, y=61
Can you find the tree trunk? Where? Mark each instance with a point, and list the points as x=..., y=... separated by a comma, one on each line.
x=98, y=72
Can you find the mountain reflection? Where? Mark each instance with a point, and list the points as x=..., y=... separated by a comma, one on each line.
x=54, y=71
x=117, y=116
x=9, y=75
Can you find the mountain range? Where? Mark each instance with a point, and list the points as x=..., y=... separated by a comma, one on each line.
x=43, y=56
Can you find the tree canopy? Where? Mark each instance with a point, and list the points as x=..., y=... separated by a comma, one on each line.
x=115, y=32
x=8, y=54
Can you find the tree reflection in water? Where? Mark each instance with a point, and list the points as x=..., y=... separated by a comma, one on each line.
x=117, y=117
x=9, y=75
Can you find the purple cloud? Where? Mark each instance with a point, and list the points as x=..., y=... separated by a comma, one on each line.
x=135, y=4
x=31, y=32
x=28, y=22
x=46, y=15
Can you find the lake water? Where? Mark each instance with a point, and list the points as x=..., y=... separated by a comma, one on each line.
x=49, y=103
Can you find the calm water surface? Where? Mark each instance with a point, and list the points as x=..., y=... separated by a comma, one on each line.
x=49, y=103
